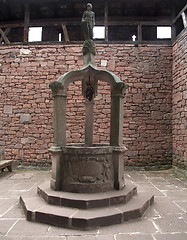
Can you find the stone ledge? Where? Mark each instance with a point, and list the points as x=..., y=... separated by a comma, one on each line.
x=37, y=210
x=86, y=201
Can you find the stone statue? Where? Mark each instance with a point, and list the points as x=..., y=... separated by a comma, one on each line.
x=88, y=22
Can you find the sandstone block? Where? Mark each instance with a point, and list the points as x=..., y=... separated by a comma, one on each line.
x=25, y=118
x=25, y=51
x=2, y=78
x=185, y=95
x=17, y=60
x=8, y=109
x=137, y=98
x=177, y=97
x=27, y=140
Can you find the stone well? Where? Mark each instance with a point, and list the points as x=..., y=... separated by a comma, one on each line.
x=87, y=188
x=87, y=169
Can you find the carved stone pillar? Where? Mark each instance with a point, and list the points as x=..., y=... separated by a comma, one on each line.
x=116, y=134
x=59, y=134
x=89, y=122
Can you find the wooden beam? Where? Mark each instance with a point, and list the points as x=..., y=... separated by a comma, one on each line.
x=11, y=24
x=106, y=20
x=140, y=32
x=112, y=21
x=180, y=13
x=43, y=23
x=173, y=27
x=26, y=23
x=65, y=31
x=4, y=35
x=184, y=19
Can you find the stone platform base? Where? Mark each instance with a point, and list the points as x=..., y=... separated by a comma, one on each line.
x=84, y=211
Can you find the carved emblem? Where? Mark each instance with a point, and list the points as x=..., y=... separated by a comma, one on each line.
x=89, y=91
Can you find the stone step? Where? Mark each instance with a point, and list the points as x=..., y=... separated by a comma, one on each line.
x=36, y=209
x=86, y=201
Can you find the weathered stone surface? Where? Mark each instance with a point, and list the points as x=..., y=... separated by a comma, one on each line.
x=8, y=109
x=37, y=210
x=25, y=86
x=170, y=236
x=87, y=201
x=17, y=60
x=14, y=226
x=86, y=169
x=28, y=228
x=135, y=236
x=25, y=51
x=2, y=78
x=5, y=226
x=25, y=118
x=171, y=224
x=28, y=140
x=89, y=47
x=179, y=116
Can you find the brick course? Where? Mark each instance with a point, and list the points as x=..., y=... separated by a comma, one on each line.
x=179, y=117
x=26, y=72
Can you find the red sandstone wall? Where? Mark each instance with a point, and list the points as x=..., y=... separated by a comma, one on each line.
x=26, y=114
x=180, y=102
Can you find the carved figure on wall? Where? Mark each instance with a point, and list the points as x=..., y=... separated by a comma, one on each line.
x=106, y=170
x=88, y=22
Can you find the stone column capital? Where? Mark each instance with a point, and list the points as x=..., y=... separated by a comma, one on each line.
x=55, y=149
x=119, y=89
x=57, y=89
x=120, y=149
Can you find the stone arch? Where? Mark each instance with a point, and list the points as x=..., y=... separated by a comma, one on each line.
x=59, y=89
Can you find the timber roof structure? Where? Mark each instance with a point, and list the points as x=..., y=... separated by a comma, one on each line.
x=121, y=18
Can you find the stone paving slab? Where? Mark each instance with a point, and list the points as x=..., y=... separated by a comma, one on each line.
x=6, y=204
x=165, y=206
x=33, y=238
x=134, y=237
x=16, y=212
x=166, y=220
x=144, y=226
x=171, y=224
x=182, y=204
x=5, y=225
x=24, y=228
x=19, y=176
x=106, y=237
x=174, y=236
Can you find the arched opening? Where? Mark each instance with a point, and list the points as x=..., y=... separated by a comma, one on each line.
x=102, y=111
x=75, y=114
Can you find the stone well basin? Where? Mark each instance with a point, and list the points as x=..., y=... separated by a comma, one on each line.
x=87, y=168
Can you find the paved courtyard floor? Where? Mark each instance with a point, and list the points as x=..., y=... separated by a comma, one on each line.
x=165, y=220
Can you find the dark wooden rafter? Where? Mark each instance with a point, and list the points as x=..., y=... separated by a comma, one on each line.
x=75, y=21
x=140, y=32
x=180, y=13
x=173, y=29
x=4, y=35
x=26, y=22
x=65, y=32
x=106, y=20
